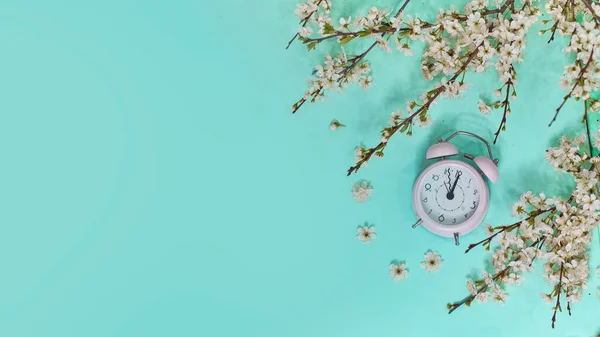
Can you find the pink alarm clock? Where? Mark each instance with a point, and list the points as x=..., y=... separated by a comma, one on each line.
x=451, y=197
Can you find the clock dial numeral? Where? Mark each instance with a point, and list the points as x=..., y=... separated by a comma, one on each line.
x=428, y=187
x=435, y=177
x=466, y=215
x=474, y=205
x=441, y=218
x=454, y=221
x=430, y=211
x=469, y=184
x=475, y=192
x=425, y=200
x=447, y=170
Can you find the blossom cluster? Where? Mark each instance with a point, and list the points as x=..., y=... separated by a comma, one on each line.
x=335, y=74
x=553, y=230
x=480, y=35
x=582, y=76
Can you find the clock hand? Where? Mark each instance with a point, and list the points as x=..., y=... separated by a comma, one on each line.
x=450, y=194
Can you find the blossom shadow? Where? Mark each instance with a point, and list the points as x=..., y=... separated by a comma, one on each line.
x=400, y=262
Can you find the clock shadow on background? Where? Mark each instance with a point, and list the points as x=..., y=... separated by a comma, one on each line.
x=459, y=121
x=536, y=176
x=539, y=176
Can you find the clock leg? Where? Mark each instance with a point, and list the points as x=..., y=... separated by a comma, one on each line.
x=417, y=223
x=456, y=239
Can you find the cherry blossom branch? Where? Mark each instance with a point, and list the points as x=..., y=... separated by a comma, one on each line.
x=506, y=104
x=353, y=63
x=365, y=33
x=346, y=37
x=579, y=79
x=467, y=300
x=435, y=93
x=343, y=76
x=391, y=30
x=509, y=228
x=361, y=56
x=304, y=24
x=558, y=289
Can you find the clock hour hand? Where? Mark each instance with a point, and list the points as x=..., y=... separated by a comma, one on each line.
x=450, y=194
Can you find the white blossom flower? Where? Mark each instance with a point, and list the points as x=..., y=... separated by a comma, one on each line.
x=395, y=117
x=403, y=47
x=396, y=22
x=365, y=82
x=359, y=154
x=498, y=295
x=423, y=121
x=398, y=271
x=432, y=262
x=345, y=23
x=547, y=298
x=519, y=209
x=383, y=44
x=482, y=297
x=489, y=230
x=488, y=279
x=362, y=191
x=471, y=287
x=483, y=107
x=305, y=31
x=366, y=233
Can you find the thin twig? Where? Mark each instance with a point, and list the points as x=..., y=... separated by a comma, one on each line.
x=559, y=286
x=471, y=297
x=553, y=31
x=506, y=110
x=579, y=77
x=304, y=25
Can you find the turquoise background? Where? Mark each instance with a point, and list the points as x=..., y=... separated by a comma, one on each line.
x=155, y=183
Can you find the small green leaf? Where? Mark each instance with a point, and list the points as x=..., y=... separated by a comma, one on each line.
x=365, y=32
x=403, y=128
x=328, y=29
x=346, y=39
x=312, y=45
x=384, y=27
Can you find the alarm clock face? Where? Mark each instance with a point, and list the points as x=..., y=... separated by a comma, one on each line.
x=451, y=193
